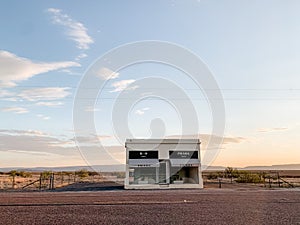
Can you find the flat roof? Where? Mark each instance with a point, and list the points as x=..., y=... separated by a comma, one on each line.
x=163, y=141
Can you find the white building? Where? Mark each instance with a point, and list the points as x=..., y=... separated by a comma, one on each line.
x=163, y=163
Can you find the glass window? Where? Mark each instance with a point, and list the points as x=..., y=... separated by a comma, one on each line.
x=142, y=175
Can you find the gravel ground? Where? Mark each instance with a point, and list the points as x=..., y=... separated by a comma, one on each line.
x=207, y=206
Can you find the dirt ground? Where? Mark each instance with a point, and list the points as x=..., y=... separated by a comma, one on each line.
x=206, y=206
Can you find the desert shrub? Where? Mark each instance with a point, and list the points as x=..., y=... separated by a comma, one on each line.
x=93, y=173
x=67, y=173
x=82, y=173
x=212, y=176
x=247, y=177
x=46, y=174
x=23, y=174
x=231, y=173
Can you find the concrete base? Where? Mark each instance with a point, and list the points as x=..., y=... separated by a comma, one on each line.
x=163, y=186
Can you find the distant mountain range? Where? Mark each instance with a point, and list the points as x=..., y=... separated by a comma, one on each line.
x=273, y=167
x=103, y=168
x=121, y=167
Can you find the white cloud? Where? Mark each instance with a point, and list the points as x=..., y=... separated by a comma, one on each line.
x=11, y=99
x=42, y=94
x=59, y=150
x=43, y=117
x=4, y=93
x=122, y=85
x=265, y=130
x=22, y=132
x=50, y=104
x=91, y=140
x=214, y=140
x=71, y=72
x=141, y=111
x=81, y=56
x=17, y=110
x=107, y=74
x=76, y=31
x=14, y=69
x=30, y=152
x=28, y=140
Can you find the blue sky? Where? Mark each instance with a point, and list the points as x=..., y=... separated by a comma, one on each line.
x=252, y=48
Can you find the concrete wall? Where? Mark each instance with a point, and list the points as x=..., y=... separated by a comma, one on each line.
x=163, y=146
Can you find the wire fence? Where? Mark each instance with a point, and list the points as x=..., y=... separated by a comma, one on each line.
x=48, y=180
x=228, y=178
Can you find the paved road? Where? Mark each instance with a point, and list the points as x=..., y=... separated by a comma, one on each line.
x=208, y=206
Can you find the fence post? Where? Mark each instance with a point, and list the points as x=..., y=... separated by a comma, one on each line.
x=62, y=178
x=50, y=181
x=53, y=180
x=40, y=184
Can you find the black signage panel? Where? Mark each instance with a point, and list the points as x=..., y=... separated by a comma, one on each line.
x=183, y=154
x=143, y=154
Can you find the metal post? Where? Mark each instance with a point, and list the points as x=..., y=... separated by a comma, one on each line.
x=52, y=187
x=50, y=181
x=61, y=178
x=40, y=185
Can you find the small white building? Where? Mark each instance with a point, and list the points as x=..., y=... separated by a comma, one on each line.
x=163, y=163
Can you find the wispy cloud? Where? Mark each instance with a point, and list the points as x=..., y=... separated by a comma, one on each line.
x=265, y=130
x=76, y=31
x=22, y=132
x=49, y=104
x=106, y=74
x=213, y=139
x=27, y=140
x=43, y=94
x=71, y=72
x=43, y=117
x=81, y=56
x=17, y=110
x=141, y=112
x=60, y=150
x=90, y=140
x=32, y=153
x=4, y=93
x=123, y=85
x=14, y=68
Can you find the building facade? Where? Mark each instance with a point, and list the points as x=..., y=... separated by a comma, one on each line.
x=163, y=163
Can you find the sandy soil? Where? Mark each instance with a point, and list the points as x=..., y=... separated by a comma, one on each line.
x=207, y=206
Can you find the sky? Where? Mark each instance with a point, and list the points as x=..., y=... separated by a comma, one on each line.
x=252, y=49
